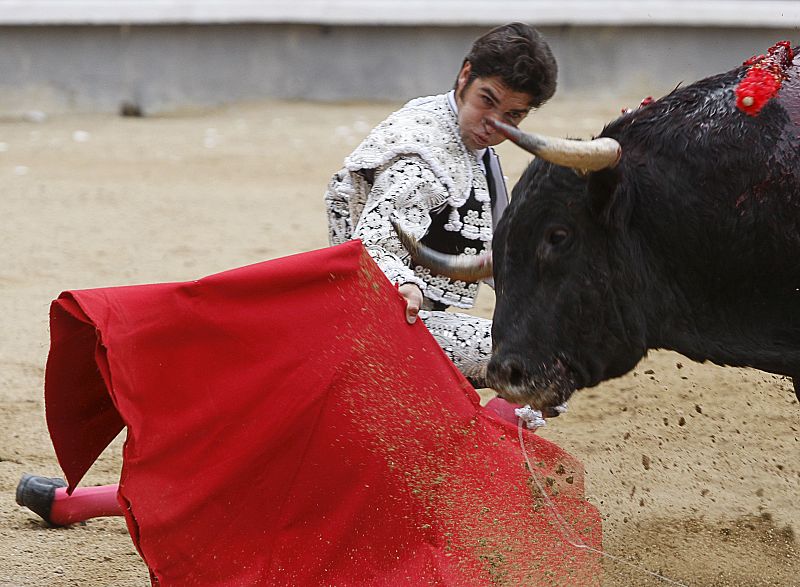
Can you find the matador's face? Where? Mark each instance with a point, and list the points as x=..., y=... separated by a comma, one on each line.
x=482, y=98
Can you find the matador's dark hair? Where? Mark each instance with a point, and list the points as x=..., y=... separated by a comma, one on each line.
x=518, y=54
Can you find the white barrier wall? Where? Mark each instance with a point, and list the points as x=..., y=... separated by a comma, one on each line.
x=58, y=55
x=747, y=13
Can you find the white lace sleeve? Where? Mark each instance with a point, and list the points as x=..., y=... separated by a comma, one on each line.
x=337, y=205
x=406, y=190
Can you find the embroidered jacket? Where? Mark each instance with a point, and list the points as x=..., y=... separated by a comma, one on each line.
x=415, y=167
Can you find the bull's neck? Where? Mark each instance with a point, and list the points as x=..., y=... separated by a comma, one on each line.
x=727, y=323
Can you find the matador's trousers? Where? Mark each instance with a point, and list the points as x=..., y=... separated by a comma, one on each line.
x=465, y=339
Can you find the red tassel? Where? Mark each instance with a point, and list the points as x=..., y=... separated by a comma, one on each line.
x=764, y=78
x=755, y=90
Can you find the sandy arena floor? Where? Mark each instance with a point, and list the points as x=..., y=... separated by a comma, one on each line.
x=694, y=467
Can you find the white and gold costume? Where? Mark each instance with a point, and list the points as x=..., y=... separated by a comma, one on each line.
x=414, y=167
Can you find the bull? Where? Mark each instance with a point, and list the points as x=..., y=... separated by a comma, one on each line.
x=677, y=228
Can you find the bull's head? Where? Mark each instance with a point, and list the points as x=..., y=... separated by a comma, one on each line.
x=567, y=276
x=558, y=323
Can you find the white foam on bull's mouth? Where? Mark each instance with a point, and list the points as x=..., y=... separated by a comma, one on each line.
x=533, y=418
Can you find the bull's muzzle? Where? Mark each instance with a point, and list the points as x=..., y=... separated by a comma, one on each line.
x=516, y=381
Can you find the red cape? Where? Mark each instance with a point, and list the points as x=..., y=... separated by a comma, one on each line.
x=285, y=426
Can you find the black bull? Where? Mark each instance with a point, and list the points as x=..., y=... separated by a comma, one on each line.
x=690, y=243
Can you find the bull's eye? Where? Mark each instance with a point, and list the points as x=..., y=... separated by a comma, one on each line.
x=556, y=235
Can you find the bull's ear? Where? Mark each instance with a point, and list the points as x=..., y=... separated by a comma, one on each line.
x=605, y=202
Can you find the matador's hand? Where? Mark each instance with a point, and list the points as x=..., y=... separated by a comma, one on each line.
x=413, y=297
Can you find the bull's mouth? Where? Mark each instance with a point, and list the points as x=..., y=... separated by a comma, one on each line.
x=549, y=385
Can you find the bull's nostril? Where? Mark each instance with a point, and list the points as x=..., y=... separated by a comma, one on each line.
x=507, y=371
x=514, y=373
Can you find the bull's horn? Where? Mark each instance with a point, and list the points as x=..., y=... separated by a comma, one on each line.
x=460, y=267
x=588, y=155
